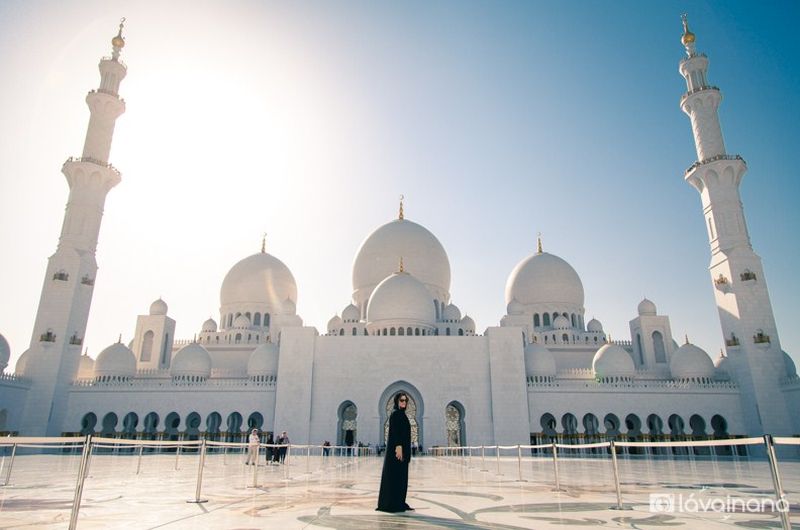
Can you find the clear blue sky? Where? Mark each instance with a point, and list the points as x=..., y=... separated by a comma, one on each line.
x=497, y=120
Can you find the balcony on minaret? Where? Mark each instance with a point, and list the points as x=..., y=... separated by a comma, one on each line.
x=106, y=92
x=86, y=280
x=733, y=341
x=75, y=340
x=748, y=276
x=722, y=283
x=760, y=338
x=61, y=276
x=48, y=336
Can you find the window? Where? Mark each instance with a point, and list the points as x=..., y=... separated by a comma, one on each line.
x=536, y=323
x=147, y=347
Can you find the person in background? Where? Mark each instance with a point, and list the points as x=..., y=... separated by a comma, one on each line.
x=252, y=448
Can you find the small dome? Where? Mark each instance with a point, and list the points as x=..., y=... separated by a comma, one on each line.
x=539, y=361
x=85, y=367
x=5, y=353
x=258, y=279
x=514, y=307
x=594, y=326
x=544, y=279
x=116, y=360
x=263, y=361
x=561, y=322
x=191, y=360
x=159, y=307
x=791, y=369
x=209, y=326
x=351, y=314
x=22, y=363
x=335, y=323
x=721, y=364
x=401, y=297
x=241, y=322
x=289, y=307
x=451, y=313
x=647, y=308
x=468, y=324
x=612, y=360
x=690, y=361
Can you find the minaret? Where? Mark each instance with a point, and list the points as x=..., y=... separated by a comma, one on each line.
x=740, y=287
x=60, y=325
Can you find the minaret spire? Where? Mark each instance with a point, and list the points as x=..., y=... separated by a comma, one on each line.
x=57, y=338
x=118, y=42
x=737, y=276
x=264, y=243
x=401, y=216
x=539, y=243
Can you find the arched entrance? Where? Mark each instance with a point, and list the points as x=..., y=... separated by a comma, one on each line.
x=454, y=420
x=347, y=425
x=415, y=410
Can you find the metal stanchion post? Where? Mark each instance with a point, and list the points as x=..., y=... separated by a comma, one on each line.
x=519, y=462
x=255, y=469
x=781, y=503
x=555, y=468
x=76, y=503
x=139, y=459
x=483, y=458
x=202, y=464
x=619, y=505
x=286, y=462
x=10, y=464
x=308, y=459
x=497, y=454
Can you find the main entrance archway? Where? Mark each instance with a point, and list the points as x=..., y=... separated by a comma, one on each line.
x=414, y=410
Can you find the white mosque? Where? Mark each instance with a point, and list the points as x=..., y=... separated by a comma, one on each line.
x=543, y=372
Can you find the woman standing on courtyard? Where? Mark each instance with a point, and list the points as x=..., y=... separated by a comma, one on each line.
x=394, y=479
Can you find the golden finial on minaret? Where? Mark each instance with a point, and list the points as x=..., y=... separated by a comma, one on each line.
x=264, y=243
x=401, y=217
x=401, y=262
x=118, y=42
x=119, y=340
x=688, y=36
x=538, y=242
x=686, y=338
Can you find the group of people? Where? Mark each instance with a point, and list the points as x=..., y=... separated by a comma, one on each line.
x=273, y=454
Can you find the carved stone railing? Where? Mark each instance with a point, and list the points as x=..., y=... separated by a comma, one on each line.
x=713, y=159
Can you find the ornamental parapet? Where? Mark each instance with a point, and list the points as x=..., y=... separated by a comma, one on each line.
x=145, y=383
x=94, y=161
x=666, y=385
x=713, y=159
x=696, y=90
x=107, y=58
x=108, y=93
x=14, y=380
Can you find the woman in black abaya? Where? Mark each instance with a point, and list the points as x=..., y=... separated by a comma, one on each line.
x=394, y=479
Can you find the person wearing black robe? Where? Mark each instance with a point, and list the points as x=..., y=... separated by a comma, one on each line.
x=394, y=479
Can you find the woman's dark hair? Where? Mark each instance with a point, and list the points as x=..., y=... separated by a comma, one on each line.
x=397, y=400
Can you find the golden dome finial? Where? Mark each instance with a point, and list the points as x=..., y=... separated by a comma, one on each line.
x=401, y=217
x=538, y=242
x=119, y=41
x=686, y=337
x=688, y=36
x=401, y=263
x=264, y=243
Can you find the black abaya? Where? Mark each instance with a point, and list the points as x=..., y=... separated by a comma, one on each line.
x=394, y=479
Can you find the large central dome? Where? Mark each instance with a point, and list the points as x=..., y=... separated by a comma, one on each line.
x=258, y=279
x=544, y=279
x=423, y=256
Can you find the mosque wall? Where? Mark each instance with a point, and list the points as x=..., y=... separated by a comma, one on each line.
x=13, y=393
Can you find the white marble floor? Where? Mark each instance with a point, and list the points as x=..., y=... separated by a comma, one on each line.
x=341, y=493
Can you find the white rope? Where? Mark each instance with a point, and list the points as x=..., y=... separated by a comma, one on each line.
x=699, y=443
x=784, y=440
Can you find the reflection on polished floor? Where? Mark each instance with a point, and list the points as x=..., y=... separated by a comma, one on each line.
x=341, y=493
